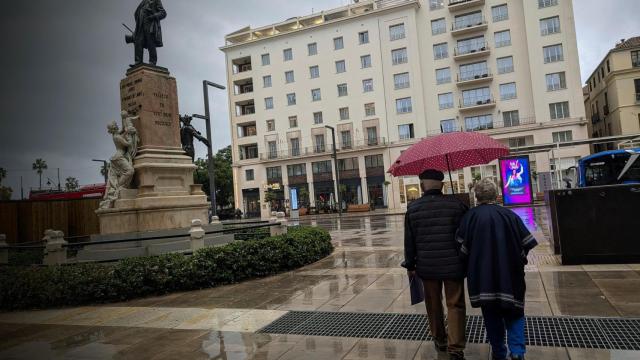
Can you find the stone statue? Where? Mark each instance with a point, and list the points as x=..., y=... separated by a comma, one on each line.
x=187, y=133
x=121, y=164
x=148, y=33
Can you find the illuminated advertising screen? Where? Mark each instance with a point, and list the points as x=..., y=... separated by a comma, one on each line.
x=515, y=174
x=293, y=195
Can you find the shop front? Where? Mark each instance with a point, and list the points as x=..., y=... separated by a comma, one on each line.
x=324, y=196
x=376, y=191
x=251, y=203
x=351, y=191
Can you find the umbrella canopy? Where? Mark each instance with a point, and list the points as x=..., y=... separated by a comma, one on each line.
x=446, y=152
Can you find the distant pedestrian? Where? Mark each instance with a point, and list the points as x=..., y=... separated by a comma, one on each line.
x=496, y=243
x=431, y=252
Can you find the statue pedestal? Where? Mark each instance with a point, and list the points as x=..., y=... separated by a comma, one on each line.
x=165, y=196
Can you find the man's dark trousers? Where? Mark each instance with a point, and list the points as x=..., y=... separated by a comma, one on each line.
x=456, y=311
x=146, y=40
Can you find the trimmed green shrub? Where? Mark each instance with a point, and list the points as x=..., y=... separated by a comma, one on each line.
x=77, y=284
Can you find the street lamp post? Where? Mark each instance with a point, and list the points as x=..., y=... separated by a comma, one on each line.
x=335, y=166
x=207, y=119
x=106, y=173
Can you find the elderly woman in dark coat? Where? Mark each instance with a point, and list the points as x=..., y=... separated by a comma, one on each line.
x=496, y=242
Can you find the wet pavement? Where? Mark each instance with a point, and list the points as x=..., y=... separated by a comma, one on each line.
x=362, y=275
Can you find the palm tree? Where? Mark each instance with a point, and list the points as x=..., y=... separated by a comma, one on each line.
x=71, y=184
x=3, y=174
x=39, y=166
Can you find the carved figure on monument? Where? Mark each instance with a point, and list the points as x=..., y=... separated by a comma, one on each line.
x=187, y=133
x=148, y=33
x=121, y=163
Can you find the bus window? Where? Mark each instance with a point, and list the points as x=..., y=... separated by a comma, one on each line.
x=596, y=174
x=633, y=174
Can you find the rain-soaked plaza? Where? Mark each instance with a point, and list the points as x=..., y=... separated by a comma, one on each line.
x=361, y=276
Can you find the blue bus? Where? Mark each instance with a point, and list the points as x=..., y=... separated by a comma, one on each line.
x=609, y=168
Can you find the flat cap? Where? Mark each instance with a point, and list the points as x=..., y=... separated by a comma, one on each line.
x=431, y=174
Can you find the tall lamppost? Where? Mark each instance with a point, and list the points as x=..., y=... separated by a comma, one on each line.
x=207, y=119
x=335, y=165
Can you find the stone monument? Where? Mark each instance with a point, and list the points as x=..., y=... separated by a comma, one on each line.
x=162, y=194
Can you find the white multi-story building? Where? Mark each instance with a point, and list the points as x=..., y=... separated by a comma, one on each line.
x=384, y=74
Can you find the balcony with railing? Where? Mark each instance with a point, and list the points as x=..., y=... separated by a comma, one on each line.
x=243, y=86
x=465, y=52
x=457, y=5
x=474, y=77
x=468, y=25
x=248, y=152
x=477, y=103
x=245, y=107
x=322, y=149
x=493, y=126
x=241, y=65
x=246, y=129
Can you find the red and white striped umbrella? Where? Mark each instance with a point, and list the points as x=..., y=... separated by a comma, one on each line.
x=446, y=152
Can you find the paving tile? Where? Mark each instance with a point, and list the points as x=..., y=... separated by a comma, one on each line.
x=427, y=351
x=252, y=321
x=173, y=318
x=554, y=281
x=391, y=282
x=320, y=348
x=537, y=308
x=37, y=335
x=620, y=290
x=213, y=319
x=374, y=349
x=42, y=316
x=596, y=354
x=302, y=303
x=613, y=267
x=614, y=275
x=628, y=309
x=580, y=303
x=546, y=353
x=371, y=300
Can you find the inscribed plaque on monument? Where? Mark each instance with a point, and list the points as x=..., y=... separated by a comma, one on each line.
x=152, y=94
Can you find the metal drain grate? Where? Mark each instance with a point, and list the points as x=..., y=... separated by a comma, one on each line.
x=562, y=331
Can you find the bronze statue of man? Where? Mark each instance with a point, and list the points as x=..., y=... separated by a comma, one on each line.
x=187, y=133
x=148, y=33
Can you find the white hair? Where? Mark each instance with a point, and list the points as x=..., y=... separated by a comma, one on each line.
x=486, y=191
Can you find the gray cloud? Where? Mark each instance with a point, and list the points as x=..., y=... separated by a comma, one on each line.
x=62, y=62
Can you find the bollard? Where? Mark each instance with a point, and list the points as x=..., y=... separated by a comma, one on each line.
x=215, y=220
x=197, y=234
x=4, y=253
x=54, y=252
x=281, y=228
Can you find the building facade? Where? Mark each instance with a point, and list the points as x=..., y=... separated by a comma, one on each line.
x=612, y=93
x=385, y=74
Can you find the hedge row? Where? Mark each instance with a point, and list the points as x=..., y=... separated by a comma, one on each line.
x=77, y=284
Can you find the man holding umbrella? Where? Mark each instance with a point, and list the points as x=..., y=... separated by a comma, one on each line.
x=430, y=247
x=431, y=253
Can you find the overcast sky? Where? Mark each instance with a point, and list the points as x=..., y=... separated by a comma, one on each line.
x=62, y=61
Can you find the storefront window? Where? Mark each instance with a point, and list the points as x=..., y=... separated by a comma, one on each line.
x=413, y=192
